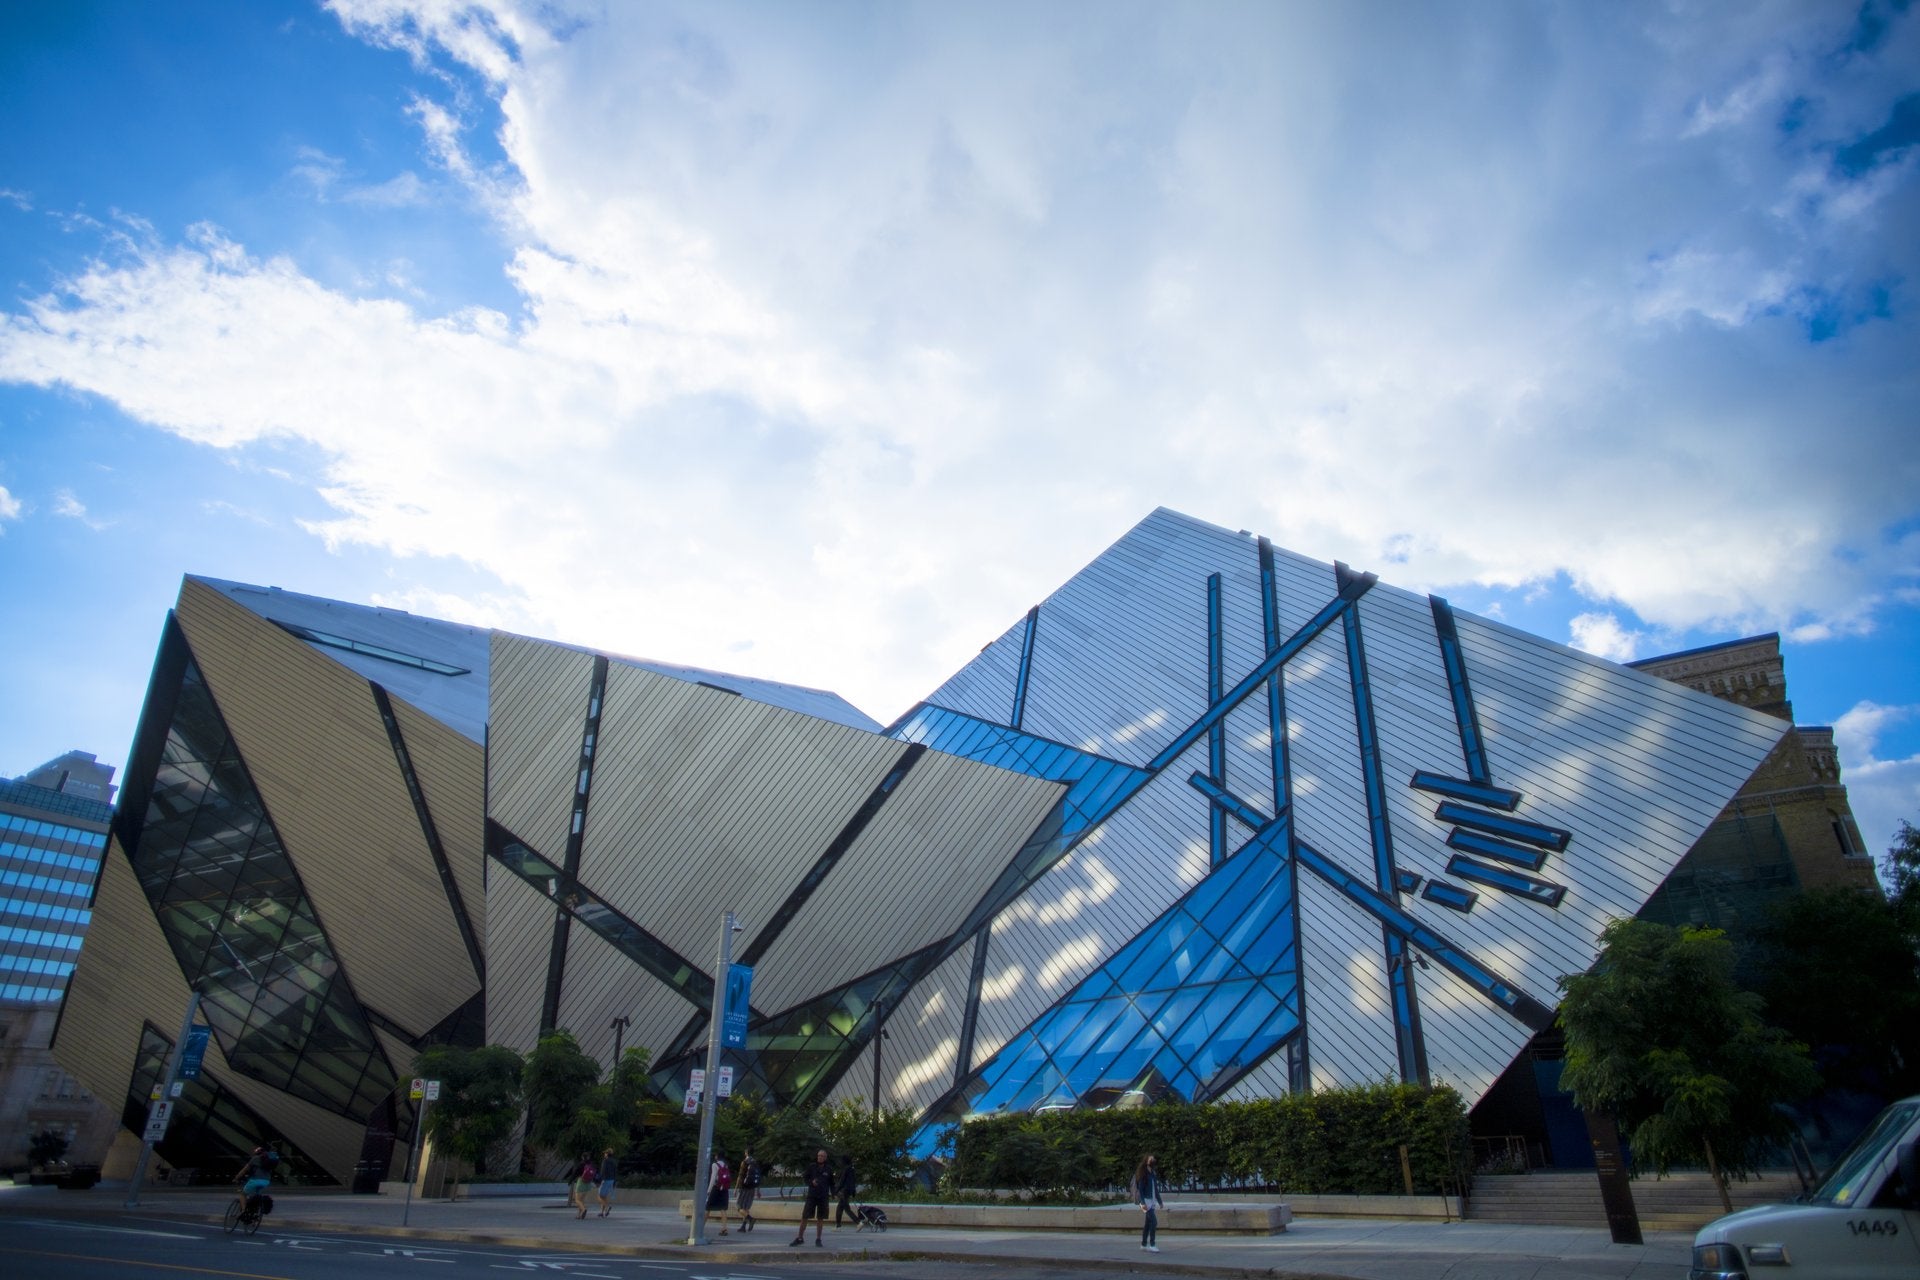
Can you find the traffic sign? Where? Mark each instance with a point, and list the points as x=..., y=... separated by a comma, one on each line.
x=692, y=1103
x=158, y=1116
x=433, y=1091
x=724, y=1089
x=417, y=1090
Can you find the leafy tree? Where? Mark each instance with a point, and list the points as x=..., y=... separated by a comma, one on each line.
x=877, y=1141
x=1900, y=876
x=480, y=1098
x=560, y=1079
x=627, y=1091
x=46, y=1147
x=1839, y=972
x=792, y=1138
x=740, y=1123
x=1658, y=1034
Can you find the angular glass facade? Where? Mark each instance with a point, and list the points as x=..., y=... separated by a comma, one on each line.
x=212, y=1132
x=1184, y=1009
x=238, y=921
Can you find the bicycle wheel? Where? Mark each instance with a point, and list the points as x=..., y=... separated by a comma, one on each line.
x=235, y=1212
x=250, y=1221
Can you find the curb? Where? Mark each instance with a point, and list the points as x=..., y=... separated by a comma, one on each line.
x=667, y=1251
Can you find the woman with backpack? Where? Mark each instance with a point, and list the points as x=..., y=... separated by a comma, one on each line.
x=583, y=1180
x=719, y=1178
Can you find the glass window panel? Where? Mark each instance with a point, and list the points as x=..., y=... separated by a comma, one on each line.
x=1178, y=1008
x=1272, y=898
x=1158, y=945
x=1231, y=1047
x=1210, y=1015
x=1273, y=949
x=1036, y=1089
x=1093, y=1023
x=1221, y=885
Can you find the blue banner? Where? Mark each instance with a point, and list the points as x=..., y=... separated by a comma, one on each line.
x=194, y=1050
x=733, y=1019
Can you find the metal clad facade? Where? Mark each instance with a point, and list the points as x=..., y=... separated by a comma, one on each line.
x=336, y=795
x=1177, y=891
x=537, y=711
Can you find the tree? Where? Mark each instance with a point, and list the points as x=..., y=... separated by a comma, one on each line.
x=560, y=1079
x=792, y=1139
x=1658, y=1035
x=741, y=1123
x=1839, y=972
x=627, y=1091
x=1900, y=876
x=877, y=1141
x=479, y=1103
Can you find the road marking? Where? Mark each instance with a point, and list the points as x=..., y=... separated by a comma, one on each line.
x=63, y=1225
x=134, y=1262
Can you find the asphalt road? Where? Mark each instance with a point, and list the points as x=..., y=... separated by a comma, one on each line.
x=55, y=1248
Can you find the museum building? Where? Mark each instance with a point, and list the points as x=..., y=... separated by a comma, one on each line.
x=1212, y=821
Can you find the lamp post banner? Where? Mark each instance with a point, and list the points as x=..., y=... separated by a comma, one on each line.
x=733, y=1023
x=193, y=1052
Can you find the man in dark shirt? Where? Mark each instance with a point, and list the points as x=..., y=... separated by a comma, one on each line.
x=848, y=1184
x=819, y=1180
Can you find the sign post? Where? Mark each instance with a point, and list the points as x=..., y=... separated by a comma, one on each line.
x=717, y=1018
x=422, y=1092
x=160, y=1113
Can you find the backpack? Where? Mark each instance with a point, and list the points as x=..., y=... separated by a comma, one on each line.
x=726, y=1176
x=750, y=1174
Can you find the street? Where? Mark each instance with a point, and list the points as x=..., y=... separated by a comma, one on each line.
x=55, y=1248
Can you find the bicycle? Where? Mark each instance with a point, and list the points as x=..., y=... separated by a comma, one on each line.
x=243, y=1215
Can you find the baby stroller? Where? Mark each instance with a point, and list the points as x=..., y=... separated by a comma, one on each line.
x=872, y=1218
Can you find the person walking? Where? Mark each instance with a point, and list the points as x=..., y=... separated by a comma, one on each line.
x=583, y=1182
x=719, y=1179
x=819, y=1180
x=1146, y=1194
x=749, y=1181
x=848, y=1183
x=609, y=1180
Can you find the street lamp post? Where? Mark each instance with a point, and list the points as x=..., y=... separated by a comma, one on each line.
x=710, y=1099
x=879, y=1035
x=620, y=1026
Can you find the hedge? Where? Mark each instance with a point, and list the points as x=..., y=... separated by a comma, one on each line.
x=1342, y=1141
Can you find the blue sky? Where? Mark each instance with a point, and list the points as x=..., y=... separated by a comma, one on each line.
x=817, y=342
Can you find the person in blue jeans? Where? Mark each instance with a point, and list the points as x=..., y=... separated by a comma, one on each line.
x=1146, y=1194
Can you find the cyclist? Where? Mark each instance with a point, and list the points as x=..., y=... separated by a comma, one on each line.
x=257, y=1173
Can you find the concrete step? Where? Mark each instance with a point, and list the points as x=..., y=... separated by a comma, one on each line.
x=1678, y=1202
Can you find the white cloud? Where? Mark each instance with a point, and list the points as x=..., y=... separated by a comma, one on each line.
x=10, y=507
x=326, y=177
x=67, y=505
x=1603, y=635
x=855, y=346
x=1882, y=793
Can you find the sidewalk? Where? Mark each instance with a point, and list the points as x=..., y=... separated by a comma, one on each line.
x=1312, y=1249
